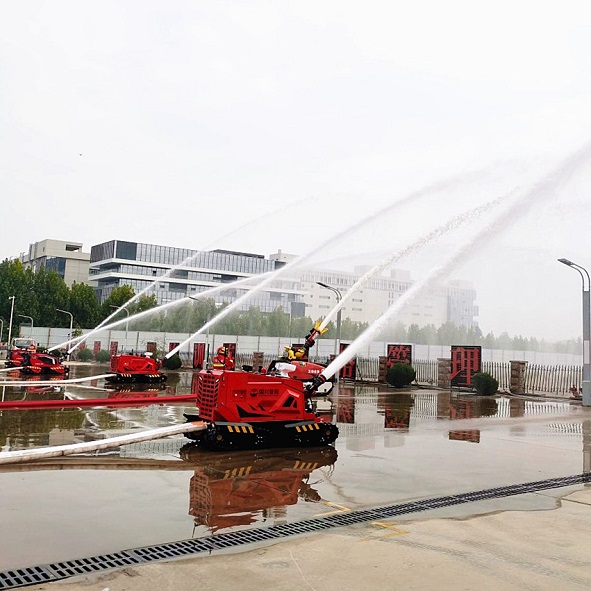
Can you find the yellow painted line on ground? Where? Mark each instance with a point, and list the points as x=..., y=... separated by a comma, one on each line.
x=386, y=525
x=341, y=509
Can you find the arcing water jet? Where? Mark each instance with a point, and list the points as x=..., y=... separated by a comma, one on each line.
x=515, y=208
x=335, y=239
x=168, y=273
x=452, y=224
x=160, y=308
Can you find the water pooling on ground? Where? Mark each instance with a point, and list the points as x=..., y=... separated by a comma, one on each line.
x=394, y=446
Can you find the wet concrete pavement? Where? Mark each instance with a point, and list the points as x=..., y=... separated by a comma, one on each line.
x=393, y=447
x=510, y=550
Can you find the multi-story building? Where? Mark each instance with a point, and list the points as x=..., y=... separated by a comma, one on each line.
x=461, y=308
x=436, y=306
x=67, y=259
x=184, y=272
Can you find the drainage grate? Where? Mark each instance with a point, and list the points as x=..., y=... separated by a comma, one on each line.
x=23, y=577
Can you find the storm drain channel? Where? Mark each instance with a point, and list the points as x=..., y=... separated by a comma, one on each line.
x=56, y=571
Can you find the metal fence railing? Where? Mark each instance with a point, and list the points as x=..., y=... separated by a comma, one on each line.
x=547, y=379
x=560, y=379
x=368, y=369
x=426, y=371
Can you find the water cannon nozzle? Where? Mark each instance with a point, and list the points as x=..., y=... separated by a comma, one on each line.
x=314, y=384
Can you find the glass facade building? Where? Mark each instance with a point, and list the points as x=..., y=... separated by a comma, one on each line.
x=184, y=272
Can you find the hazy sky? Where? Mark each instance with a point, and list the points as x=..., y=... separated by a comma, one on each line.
x=260, y=126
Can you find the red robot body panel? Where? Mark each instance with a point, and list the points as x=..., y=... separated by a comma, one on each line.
x=271, y=409
x=34, y=363
x=245, y=410
x=135, y=368
x=239, y=396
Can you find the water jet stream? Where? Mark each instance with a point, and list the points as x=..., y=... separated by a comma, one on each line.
x=514, y=209
x=54, y=382
x=187, y=261
x=24, y=455
x=160, y=308
x=335, y=239
x=450, y=225
x=271, y=275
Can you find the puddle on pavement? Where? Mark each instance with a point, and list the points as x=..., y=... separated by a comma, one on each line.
x=394, y=446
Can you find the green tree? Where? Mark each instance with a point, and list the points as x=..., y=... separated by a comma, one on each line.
x=489, y=341
x=505, y=341
x=400, y=333
x=50, y=293
x=16, y=281
x=118, y=297
x=84, y=307
x=350, y=329
x=447, y=334
x=485, y=384
x=255, y=322
x=414, y=334
x=143, y=303
x=473, y=336
x=428, y=334
x=277, y=323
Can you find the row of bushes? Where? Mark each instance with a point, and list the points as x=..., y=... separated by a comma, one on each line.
x=400, y=375
x=101, y=356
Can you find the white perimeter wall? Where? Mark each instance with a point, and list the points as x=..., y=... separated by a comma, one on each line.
x=137, y=341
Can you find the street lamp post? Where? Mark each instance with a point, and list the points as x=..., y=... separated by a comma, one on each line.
x=31, y=319
x=71, y=324
x=10, y=323
x=337, y=344
x=126, y=324
x=586, y=329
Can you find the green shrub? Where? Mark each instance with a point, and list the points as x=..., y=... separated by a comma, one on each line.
x=103, y=356
x=85, y=355
x=400, y=375
x=485, y=384
x=173, y=362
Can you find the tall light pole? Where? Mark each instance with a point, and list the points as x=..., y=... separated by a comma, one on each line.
x=586, y=329
x=31, y=319
x=126, y=324
x=337, y=344
x=71, y=323
x=1, y=328
x=10, y=323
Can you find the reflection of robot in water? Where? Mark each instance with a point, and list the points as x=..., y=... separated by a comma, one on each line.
x=230, y=489
x=137, y=390
x=44, y=388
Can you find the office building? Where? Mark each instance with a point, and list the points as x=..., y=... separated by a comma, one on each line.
x=67, y=259
x=183, y=273
x=186, y=272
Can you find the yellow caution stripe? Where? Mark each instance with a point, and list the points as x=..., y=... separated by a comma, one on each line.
x=235, y=428
x=305, y=427
x=237, y=472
